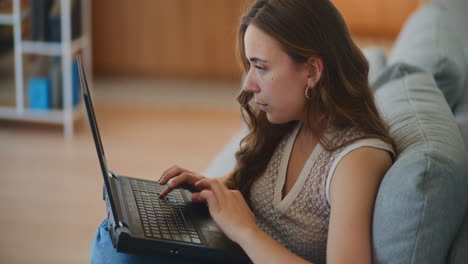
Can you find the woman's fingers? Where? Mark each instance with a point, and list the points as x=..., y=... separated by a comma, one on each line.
x=210, y=198
x=174, y=183
x=166, y=191
x=196, y=198
x=183, y=180
x=218, y=189
x=170, y=173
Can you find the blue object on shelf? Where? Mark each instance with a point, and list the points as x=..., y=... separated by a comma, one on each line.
x=75, y=83
x=53, y=29
x=39, y=93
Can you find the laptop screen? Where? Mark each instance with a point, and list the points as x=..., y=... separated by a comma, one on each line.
x=97, y=138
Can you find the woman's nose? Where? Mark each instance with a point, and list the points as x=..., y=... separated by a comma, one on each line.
x=250, y=85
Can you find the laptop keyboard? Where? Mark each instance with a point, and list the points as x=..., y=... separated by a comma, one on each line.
x=163, y=218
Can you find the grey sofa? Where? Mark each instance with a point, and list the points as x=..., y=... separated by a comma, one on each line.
x=421, y=89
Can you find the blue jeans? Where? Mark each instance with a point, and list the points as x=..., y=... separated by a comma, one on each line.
x=102, y=252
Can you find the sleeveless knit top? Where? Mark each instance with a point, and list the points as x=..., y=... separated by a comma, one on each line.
x=300, y=221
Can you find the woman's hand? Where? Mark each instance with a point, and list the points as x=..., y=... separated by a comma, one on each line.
x=177, y=177
x=228, y=209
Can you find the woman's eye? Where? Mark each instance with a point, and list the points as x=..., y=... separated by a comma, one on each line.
x=260, y=68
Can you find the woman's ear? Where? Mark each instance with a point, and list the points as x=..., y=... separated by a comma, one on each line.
x=315, y=70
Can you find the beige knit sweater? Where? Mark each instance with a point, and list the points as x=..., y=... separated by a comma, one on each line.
x=300, y=220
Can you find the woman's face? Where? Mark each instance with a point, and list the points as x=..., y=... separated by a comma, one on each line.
x=278, y=84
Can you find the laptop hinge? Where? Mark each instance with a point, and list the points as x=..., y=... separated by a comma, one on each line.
x=112, y=175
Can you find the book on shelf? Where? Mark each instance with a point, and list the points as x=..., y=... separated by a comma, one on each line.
x=6, y=40
x=39, y=14
x=55, y=76
x=75, y=83
x=6, y=32
x=46, y=20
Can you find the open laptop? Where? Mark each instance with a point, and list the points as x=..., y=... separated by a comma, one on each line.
x=141, y=222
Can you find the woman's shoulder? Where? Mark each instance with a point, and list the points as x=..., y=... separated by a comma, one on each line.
x=366, y=159
x=362, y=156
x=364, y=167
x=365, y=153
x=345, y=140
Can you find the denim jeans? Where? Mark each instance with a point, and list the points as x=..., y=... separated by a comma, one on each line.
x=102, y=252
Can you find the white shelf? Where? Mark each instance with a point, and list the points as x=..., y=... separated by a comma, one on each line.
x=6, y=19
x=53, y=116
x=53, y=48
x=66, y=49
x=9, y=19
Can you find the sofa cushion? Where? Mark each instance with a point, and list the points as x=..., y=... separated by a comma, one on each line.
x=377, y=61
x=459, y=251
x=458, y=10
x=461, y=111
x=422, y=199
x=428, y=41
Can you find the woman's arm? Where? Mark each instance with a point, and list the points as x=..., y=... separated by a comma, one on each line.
x=353, y=191
x=261, y=248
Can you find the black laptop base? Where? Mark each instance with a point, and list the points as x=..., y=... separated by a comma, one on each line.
x=128, y=235
x=129, y=244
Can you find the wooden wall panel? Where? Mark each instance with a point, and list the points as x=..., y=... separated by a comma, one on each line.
x=376, y=18
x=359, y=14
x=177, y=38
x=394, y=14
x=195, y=39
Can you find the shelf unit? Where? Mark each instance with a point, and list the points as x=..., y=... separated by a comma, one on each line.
x=66, y=49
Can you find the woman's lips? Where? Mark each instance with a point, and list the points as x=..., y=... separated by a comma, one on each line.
x=262, y=106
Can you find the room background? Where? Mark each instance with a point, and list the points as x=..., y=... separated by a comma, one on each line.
x=165, y=80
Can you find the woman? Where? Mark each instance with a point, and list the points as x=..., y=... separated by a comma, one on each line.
x=309, y=169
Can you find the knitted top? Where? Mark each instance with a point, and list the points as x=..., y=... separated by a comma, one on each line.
x=300, y=221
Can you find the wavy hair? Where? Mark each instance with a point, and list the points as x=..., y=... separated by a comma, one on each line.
x=342, y=99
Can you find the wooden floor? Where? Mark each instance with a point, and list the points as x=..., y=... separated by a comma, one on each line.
x=51, y=190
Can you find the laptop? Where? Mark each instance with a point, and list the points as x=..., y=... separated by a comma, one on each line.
x=140, y=222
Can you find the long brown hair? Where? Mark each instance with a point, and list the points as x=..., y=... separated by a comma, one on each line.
x=342, y=98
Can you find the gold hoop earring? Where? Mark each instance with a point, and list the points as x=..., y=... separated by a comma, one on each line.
x=307, y=92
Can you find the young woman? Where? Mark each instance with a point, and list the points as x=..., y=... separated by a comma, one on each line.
x=309, y=169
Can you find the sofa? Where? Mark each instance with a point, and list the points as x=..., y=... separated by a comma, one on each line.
x=421, y=90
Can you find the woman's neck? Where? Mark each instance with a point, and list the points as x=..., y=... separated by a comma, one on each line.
x=305, y=136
